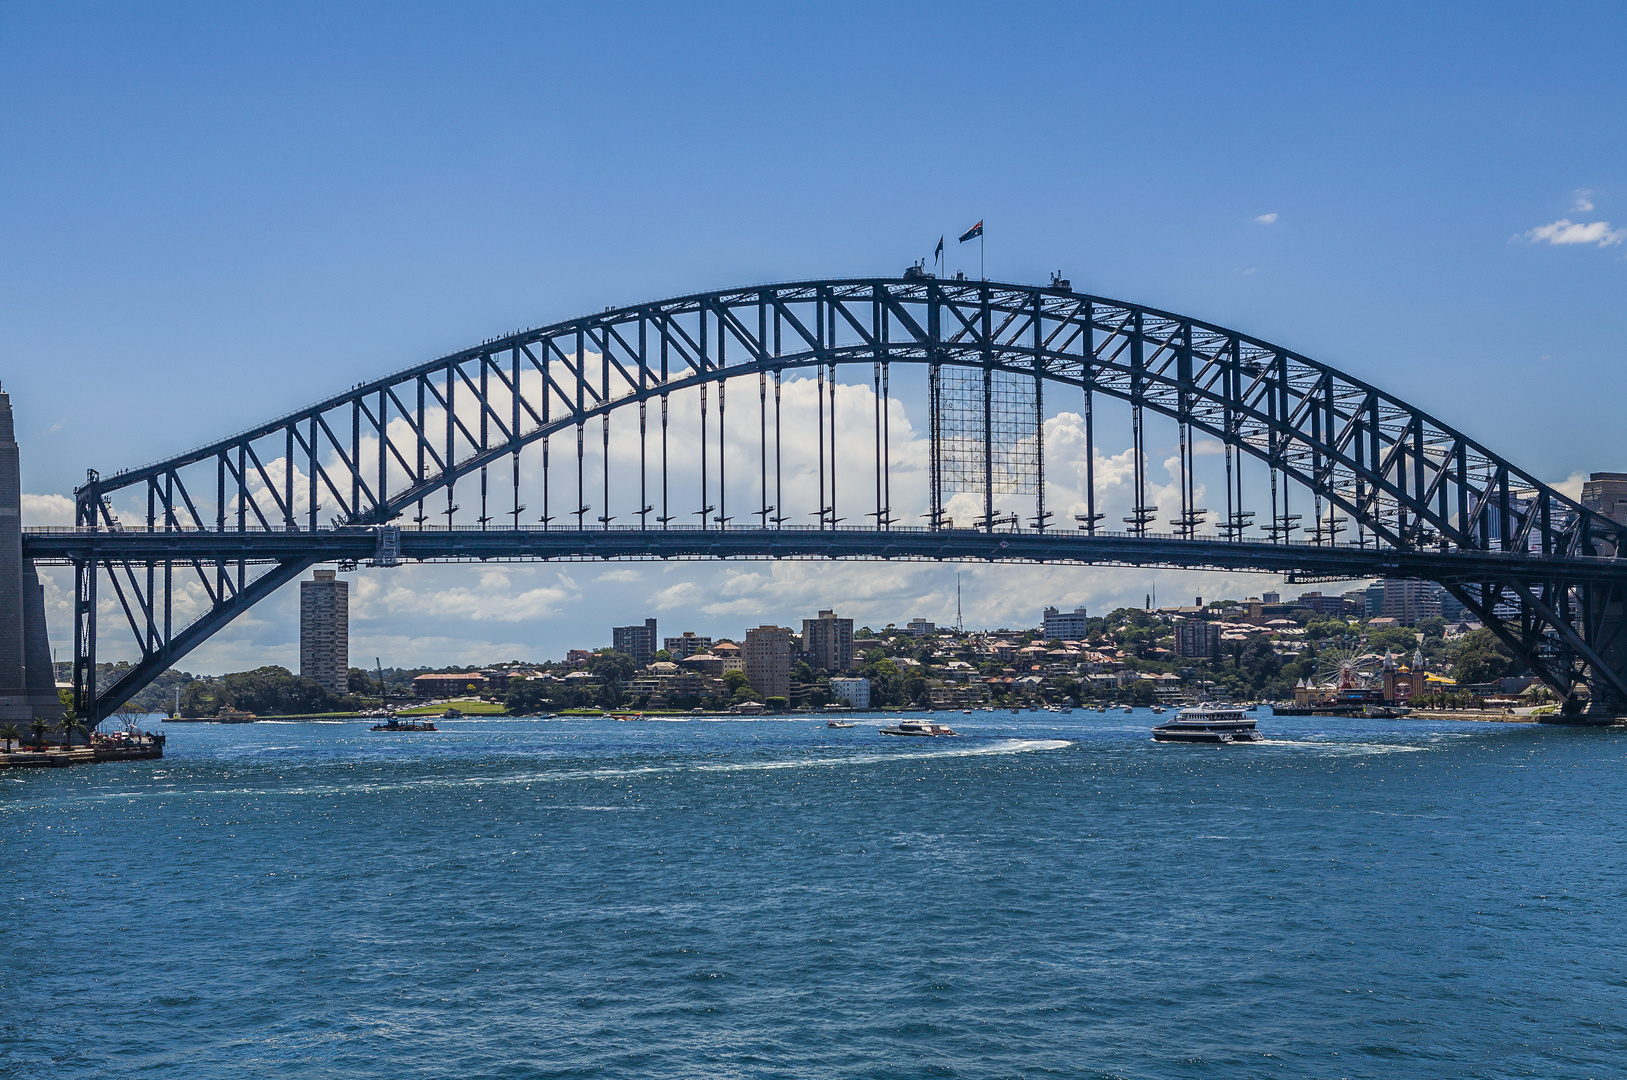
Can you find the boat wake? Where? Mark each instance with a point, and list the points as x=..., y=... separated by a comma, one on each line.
x=907, y=752
x=1340, y=749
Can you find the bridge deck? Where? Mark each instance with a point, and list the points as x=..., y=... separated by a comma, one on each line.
x=440, y=544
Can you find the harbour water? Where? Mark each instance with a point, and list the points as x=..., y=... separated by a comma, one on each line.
x=1050, y=895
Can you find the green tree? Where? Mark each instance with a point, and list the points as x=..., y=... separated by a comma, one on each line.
x=886, y=684
x=1396, y=638
x=525, y=697
x=735, y=681
x=1481, y=657
x=777, y=703
x=11, y=734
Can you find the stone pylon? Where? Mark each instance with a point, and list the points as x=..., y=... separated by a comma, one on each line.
x=27, y=680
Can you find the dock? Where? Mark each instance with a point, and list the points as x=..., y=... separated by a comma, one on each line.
x=54, y=757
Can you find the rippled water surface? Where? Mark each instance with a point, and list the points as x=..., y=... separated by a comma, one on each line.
x=1051, y=895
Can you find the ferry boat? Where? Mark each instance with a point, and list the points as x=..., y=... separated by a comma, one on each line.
x=919, y=728
x=394, y=724
x=1208, y=724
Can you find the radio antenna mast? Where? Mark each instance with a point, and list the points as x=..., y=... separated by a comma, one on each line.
x=960, y=624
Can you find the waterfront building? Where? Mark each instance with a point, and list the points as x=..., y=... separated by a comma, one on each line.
x=450, y=684
x=324, y=631
x=661, y=687
x=852, y=692
x=828, y=642
x=768, y=660
x=635, y=641
x=1197, y=638
x=1065, y=625
x=686, y=644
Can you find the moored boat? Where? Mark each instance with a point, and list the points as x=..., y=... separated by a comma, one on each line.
x=840, y=723
x=1208, y=724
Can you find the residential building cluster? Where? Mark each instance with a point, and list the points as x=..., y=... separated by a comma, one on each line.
x=1254, y=647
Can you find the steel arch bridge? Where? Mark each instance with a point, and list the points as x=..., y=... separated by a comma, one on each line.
x=376, y=474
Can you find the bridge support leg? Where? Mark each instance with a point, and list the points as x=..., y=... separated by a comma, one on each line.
x=1609, y=621
x=84, y=638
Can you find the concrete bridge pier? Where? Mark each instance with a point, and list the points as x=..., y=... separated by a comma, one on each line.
x=27, y=679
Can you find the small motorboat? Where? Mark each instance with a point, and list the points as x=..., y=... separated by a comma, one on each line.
x=840, y=723
x=919, y=728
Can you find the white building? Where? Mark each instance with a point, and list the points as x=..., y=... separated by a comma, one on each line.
x=1065, y=625
x=854, y=693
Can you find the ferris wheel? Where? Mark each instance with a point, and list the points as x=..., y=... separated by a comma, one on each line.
x=1348, y=669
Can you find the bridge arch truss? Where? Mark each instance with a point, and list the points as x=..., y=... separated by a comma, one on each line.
x=370, y=474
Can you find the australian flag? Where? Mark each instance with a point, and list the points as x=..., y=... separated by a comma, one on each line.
x=974, y=231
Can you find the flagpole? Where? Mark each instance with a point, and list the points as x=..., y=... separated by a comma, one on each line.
x=981, y=272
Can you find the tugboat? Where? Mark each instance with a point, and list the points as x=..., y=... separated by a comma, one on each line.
x=1209, y=724
x=919, y=728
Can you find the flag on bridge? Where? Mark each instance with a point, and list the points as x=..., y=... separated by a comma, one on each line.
x=974, y=231
x=939, y=253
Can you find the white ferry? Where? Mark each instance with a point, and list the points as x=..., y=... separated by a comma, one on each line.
x=919, y=728
x=1209, y=724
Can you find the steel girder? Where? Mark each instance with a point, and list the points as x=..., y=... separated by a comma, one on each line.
x=384, y=450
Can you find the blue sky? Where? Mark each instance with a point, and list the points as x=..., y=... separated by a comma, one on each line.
x=217, y=213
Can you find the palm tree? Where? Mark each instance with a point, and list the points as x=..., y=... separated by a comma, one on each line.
x=70, y=725
x=39, y=728
x=11, y=734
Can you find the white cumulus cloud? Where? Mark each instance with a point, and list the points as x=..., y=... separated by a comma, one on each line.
x=1265, y=219
x=1565, y=231
x=47, y=510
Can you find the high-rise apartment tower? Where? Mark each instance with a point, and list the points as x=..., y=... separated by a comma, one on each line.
x=324, y=631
